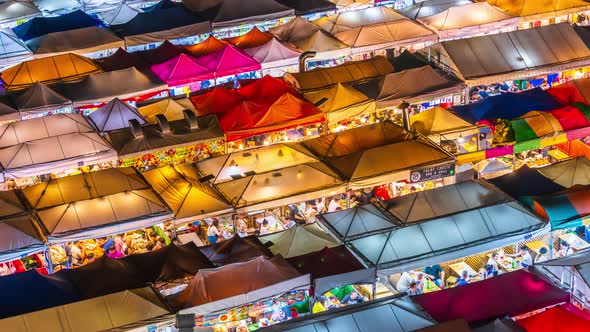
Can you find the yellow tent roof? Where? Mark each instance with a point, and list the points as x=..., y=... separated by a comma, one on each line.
x=437, y=120
x=63, y=67
x=537, y=9
x=343, y=102
x=180, y=187
x=170, y=108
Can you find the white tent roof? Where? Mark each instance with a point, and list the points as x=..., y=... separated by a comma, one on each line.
x=172, y=109
x=115, y=115
x=470, y=19
x=57, y=6
x=430, y=8
x=11, y=11
x=274, y=54
x=12, y=49
x=374, y=28
x=125, y=310
x=119, y=15
x=344, y=5
x=299, y=240
x=50, y=144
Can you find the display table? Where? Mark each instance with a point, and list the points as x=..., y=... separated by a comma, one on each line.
x=460, y=266
x=574, y=241
x=537, y=245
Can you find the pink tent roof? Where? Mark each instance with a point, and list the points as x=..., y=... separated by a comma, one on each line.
x=182, y=69
x=510, y=294
x=229, y=60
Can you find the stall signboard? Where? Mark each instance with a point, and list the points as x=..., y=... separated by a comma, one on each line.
x=254, y=316
x=180, y=155
x=432, y=173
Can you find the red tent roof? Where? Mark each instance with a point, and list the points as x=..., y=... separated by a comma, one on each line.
x=208, y=46
x=181, y=69
x=218, y=100
x=229, y=61
x=266, y=90
x=253, y=38
x=251, y=119
x=565, y=318
x=572, y=91
x=511, y=294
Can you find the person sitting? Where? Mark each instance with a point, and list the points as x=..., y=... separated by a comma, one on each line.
x=541, y=256
x=527, y=260
x=213, y=233
x=242, y=228
x=436, y=274
x=488, y=272
x=493, y=260
x=414, y=289
x=565, y=249
x=463, y=279
x=264, y=227
x=352, y=298
x=403, y=283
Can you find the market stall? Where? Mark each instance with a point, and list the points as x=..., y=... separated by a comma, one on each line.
x=526, y=181
x=55, y=7
x=121, y=59
x=354, y=72
x=509, y=294
x=14, y=12
x=126, y=84
x=164, y=52
x=217, y=100
x=276, y=57
x=120, y=14
x=93, y=42
x=418, y=85
x=236, y=250
x=59, y=68
x=55, y=144
x=95, y=204
x=429, y=8
x=565, y=209
x=207, y=46
x=182, y=70
x=299, y=240
x=42, y=25
x=313, y=8
x=253, y=38
x=189, y=198
x=13, y=50
x=40, y=100
x=570, y=273
x=115, y=115
x=170, y=22
x=559, y=318
x=534, y=14
x=468, y=20
x=476, y=60
x=375, y=28
x=573, y=91
x=341, y=103
x=175, y=142
x=126, y=309
x=568, y=173
x=172, y=109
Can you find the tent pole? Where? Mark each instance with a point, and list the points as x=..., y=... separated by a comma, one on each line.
x=347, y=197
x=551, y=244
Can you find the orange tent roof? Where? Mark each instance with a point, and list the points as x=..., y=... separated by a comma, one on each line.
x=63, y=67
x=252, y=119
x=253, y=38
x=208, y=46
x=218, y=100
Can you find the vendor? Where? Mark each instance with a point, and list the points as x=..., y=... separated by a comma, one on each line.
x=242, y=228
x=414, y=289
x=527, y=260
x=213, y=233
x=264, y=228
x=352, y=298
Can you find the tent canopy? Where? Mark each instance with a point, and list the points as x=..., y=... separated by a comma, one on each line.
x=249, y=118
x=408, y=60
x=40, y=26
x=574, y=91
x=559, y=318
x=299, y=240
x=129, y=307
x=79, y=41
x=568, y=173
x=12, y=49
x=56, y=6
x=508, y=106
x=470, y=19
x=343, y=102
x=181, y=70
x=570, y=271
x=229, y=60
x=275, y=54
x=358, y=154
x=208, y=46
x=162, y=53
x=96, y=204
x=512, y=55
x=430, y=8
x=229, y=13
x=121, y=59
x=152, y=139
x=188, y=197
x=170, y=108
x=258, y=160
x=438, y=121
x=266, y=90
x=511, y=294
x=252, y=38
x=154, y=26
x=19, y=234
x=115, y=115
x=269, y=189
x=40, y=98
x=526, y=182
x=347, y=73
x=375, y=26
x=236, y=250
x=533, y=10
x=64, y=67
x=564, y=209
x=308, y=7
x=50, y=144
x=394, y=314
x=11, y=11
x=218, y=100
x=121, y=14
x=104, y=87
x=211, y=285
x=412, y=86
x=326, y=262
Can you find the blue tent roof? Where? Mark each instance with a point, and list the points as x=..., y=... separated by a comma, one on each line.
x=40, y=26
x=526, y=182
x=508, y=106
x=30, y=291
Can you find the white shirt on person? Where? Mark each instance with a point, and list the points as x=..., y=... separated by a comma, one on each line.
x=333, y=206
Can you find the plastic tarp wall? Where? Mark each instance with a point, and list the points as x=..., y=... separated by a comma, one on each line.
x=96, y=204
x=299, y=240
x=512, y=55
x=510, y=294
x=101, y=313
x=50, y=144
x=394, y=314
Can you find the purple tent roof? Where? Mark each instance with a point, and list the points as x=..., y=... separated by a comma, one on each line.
x=229, y=60
x=510, y=294
x=182, y=69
